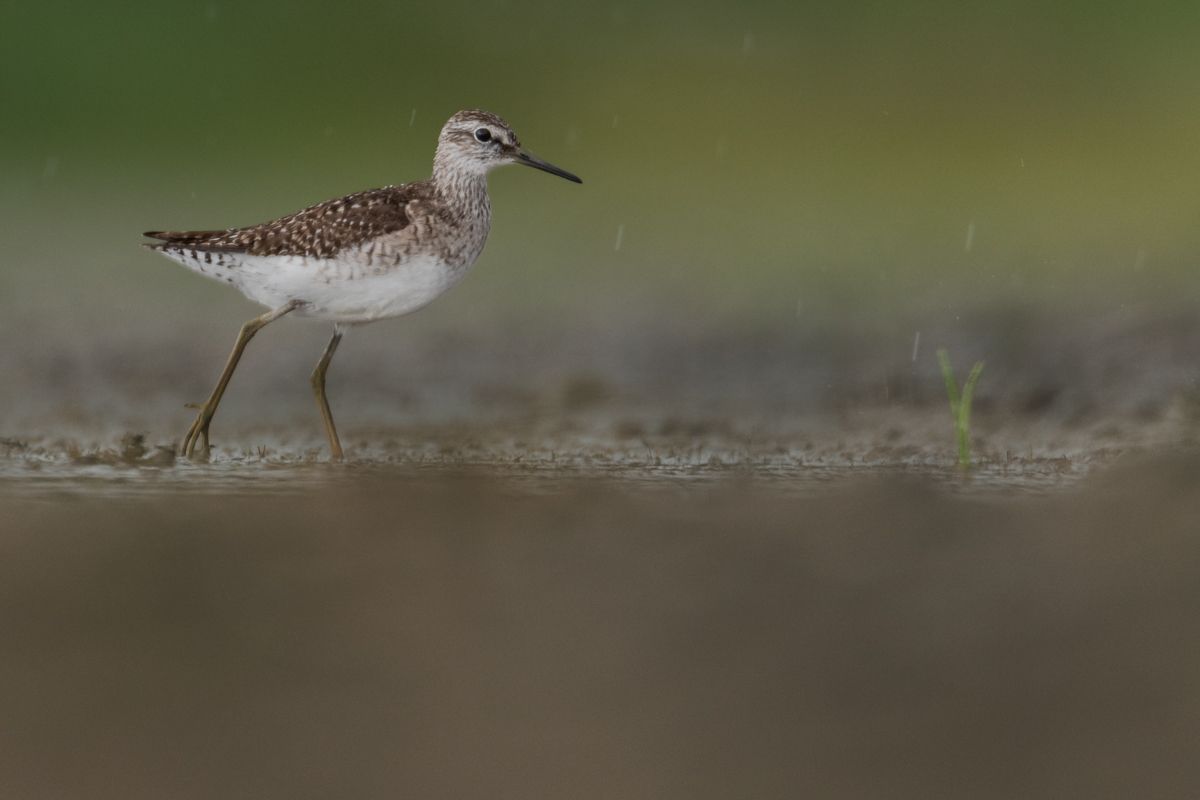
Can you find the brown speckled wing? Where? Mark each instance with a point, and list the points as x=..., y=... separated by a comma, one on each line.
x=320, y=231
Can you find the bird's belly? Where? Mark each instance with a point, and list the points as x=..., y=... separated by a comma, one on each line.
x=343, y=291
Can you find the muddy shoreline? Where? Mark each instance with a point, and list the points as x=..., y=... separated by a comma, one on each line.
x=591, y=566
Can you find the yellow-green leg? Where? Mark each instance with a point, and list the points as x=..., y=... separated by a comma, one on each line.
x=199, y=430
x=318, y=385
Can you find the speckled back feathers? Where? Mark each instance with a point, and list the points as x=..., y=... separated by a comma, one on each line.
x=319, y=231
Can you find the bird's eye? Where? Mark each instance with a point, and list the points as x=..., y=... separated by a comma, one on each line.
x=483, y=135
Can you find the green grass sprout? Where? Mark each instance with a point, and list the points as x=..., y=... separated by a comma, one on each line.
x=960, y=404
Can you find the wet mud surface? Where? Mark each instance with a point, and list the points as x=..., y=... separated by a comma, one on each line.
x=588, y=567
x=639, y=400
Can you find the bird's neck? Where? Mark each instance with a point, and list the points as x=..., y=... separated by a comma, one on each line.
x=464, y=191
x=464, y=194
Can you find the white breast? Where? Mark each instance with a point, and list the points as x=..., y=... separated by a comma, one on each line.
x=343, y=292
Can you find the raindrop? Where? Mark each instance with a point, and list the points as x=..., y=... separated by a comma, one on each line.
x=572, y=136
x=747, y=42
x=916, y=346
x=412, y=118
x=620, y=237
x=616, y=119
x=51, y=167
x=1139, y=261
x=970, y=236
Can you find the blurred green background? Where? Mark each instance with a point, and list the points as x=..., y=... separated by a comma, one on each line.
x=756, y=160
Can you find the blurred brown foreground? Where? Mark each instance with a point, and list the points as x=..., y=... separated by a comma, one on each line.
x=467, y=638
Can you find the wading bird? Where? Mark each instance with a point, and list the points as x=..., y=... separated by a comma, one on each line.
x=360, y=258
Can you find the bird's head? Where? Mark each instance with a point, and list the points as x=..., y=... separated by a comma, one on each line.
x=475, y=142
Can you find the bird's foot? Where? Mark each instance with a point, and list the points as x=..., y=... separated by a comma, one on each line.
x=197, y=435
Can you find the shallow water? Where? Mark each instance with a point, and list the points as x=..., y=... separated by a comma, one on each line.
x=309, y=631
x=51, y=471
